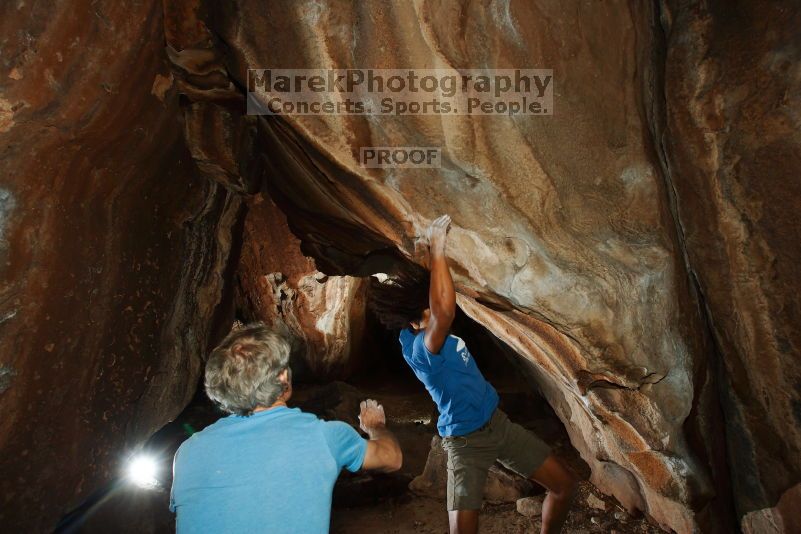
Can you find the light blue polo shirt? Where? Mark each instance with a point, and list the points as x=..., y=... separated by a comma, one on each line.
x=465, y=400
x=271, y=472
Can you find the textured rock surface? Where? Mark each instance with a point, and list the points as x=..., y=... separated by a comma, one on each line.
x=565, y=241
x=278, y=285
x=780, y=519
x=636, y=249
x=112, y=250
x=529, y=506
x=733, y=140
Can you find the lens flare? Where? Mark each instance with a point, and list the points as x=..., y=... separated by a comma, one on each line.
x=142, y=471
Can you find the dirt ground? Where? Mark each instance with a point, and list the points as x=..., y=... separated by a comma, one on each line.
x=410, y=413
x=412, y=514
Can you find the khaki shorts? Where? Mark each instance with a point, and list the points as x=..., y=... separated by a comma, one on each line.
x=471, y=456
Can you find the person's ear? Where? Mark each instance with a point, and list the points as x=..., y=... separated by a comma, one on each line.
x=284, y=376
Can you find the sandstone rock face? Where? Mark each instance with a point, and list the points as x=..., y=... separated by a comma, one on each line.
x=732, y=136
x=281, y=287
x=563, y=243
x=779, y=519
x=636, y=248
x=112, y=250
x=569, y=237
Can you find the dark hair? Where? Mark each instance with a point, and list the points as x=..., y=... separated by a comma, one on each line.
x=401, y=298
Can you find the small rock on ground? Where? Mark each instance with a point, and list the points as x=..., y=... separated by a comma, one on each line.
x=530, y=506
x=595, y=502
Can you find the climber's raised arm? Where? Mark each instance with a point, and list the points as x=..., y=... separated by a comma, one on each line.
x=441, y=295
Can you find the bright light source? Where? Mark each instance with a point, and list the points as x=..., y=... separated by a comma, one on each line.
x=142, y=471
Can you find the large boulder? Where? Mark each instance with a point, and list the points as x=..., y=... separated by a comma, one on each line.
x=563, y=242
x=569, y=230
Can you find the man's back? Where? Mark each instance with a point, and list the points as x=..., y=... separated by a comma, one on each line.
x=465, y=400
x=273, y=471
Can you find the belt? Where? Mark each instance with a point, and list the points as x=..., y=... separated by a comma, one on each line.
x=487, y=424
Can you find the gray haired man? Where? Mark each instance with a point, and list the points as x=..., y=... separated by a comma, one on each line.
x=267, y=467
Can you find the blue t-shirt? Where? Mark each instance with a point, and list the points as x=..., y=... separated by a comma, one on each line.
x=465, y=400
x=271, y=472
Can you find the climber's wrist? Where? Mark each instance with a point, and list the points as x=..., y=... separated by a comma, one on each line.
x=437, y=250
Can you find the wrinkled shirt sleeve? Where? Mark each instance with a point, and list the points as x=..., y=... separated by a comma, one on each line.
x=347, y=447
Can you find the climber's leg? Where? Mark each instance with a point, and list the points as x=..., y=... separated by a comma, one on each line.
x=469, y=460
x=526, y=454
x=463, y=521
x=561, y=484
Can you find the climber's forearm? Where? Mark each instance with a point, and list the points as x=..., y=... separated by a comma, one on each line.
x=441, y=295
x=442, y=303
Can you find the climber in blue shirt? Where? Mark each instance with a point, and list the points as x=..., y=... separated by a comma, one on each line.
x=475, y=433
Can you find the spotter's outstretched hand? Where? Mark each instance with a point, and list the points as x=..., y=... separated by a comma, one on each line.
x=371, y=415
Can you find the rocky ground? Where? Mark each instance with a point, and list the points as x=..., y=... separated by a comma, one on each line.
x=410, y=415
x=414, y=514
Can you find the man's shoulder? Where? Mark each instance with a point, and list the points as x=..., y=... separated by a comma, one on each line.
x=415, y=339
x=407, y=335
x=336, y=432
x=345, y=444
x=336, y=427
x=419, y=344
x=201, y=436
x=295, y=417
x=234, y=423
x=189, y=445
x=409, y=340
x=302, y=421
